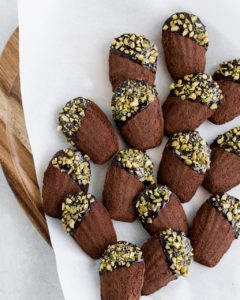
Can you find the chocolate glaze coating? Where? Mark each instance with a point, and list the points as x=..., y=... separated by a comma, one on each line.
x=211, y=235
x=183, y=55
x=123, y=283
x=224, y=173
x=230, y=107
x=122, y=69
x=96, y=136
x=95, y=232
x=184, y=115
x=144, y=130
x=120, y=190
x=180, y=178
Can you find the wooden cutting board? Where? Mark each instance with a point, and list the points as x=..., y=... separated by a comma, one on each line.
x=15, y=150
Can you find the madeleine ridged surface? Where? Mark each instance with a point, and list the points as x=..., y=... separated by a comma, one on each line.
x=95, y=232
x=211, y=235
x=145, y=129
x=157, y=271
x=120, y=190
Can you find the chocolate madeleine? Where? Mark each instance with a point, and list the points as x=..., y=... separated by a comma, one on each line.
x=88, y=222
x=158, y=209
x=215, y=226
x=167, y=256
x=68, y=172
x=121, y=272
x=137, y=112
x=185, y=160
x=192, y=100
x=228, y=78
x=131, y=170
x=86, y=127
x=225, y=163
x=132, y=56
x=185, y=42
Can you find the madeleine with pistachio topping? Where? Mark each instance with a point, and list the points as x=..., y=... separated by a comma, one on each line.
x=158, y=208
x=228, y=78
x=68, y=172
x=185, y=160
x=185, y=42
x=87, y=128
x=132, y=56
x=80, y=215
x=137, y=112
x=224, y=173
x=215, y=226
x=192, y=100
x=121, y=272
x=131, y=170
x=167, y=255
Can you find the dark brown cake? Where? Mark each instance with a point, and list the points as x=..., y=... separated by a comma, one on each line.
x=215, y=226
x=167, y=256
x=132, y=56
x=87, y=128
x=158, y=209
x=228, y=78
x=88, y=222
x=185, y=160
x=192, y=100
x=225, y=163
x=121, y=272
x=137, y=112
x=185, y=42
x=68, y=172
x=127, y=176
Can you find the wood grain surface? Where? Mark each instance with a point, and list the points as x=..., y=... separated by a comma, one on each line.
x=15, y=151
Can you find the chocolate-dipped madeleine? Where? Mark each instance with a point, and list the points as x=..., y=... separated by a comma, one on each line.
x=137, y=112
x=68, y=172
x=158, y=209
x=167, y=255
x=192, y=100
x=185, y=42
x=131, y=170
x=224, y=173
x=89, y=223
x=132, y=56
x=121, y=272
x=87, y=128
x=185, y=160
x=215, y=226
x=228, y=78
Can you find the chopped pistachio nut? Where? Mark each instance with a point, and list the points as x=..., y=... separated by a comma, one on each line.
x=75, y=164
x=74, y=208
x=229, y=70
x=198, y=88
x=229, y=141
x=130, y=98
x=191, y=149
x=137, y=163
x=230, y=208
x=150, y=201
x=188, y=25
x=121, y=254
x=137, y=48
x=178, y=250
x=70, y=117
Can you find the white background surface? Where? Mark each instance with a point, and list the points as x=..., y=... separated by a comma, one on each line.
x=64, y=54
x=27, y=263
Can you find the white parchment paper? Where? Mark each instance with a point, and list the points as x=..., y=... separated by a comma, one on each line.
x=64, y=54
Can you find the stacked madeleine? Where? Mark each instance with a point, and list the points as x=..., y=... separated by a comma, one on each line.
x=130, y=189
